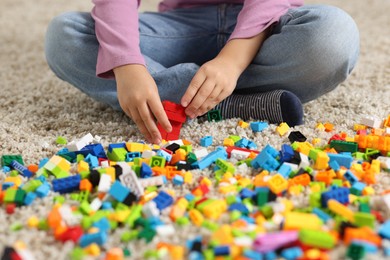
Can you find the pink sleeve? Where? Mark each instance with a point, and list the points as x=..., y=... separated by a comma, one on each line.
x=257, y=15
x=116, y=27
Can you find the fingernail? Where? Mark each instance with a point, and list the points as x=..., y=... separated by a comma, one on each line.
x=184, y=103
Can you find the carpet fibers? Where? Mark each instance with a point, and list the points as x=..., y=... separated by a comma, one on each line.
x=36, y=108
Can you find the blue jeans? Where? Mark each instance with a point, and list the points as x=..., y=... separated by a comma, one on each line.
x=309, y=52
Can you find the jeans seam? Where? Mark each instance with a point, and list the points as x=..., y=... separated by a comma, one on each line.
x=177, y=37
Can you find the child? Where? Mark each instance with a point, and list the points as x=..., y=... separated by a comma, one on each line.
x=254, y=59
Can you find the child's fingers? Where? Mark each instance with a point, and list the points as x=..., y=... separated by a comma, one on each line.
x=195, y=84
x=158, y=111
x=200, y=97
x=149, y=122
x=141, y=126
x=212, y=100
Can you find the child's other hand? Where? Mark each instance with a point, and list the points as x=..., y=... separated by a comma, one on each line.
x=138, y=97
x=214, y=81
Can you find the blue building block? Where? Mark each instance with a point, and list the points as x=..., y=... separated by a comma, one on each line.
x=107, y=205
x=271, y=255
x=272, y=151
x=167, y=156
x=238, y=206
x=29, y=199
x=285, y=170
x=384, y=230
x=357, y=188
x=6, y=169
x=178, y=180
x=342, y=159
x=163, y=200
x=321, y=214
x=221, y=250
x=210, y=158
x=195, y=255
x=98, y=238
x=247, y=193
x=43, y=190
x=386, y=251
x=291, y=253
x=94, y=149
x=118, y=191
x=21, y=169
x=145, y=171
x=92, y=161
x=349, y=176
x=242, y=143
x=42, y=162
x=265, y=160
x=258, y=126
x=251, y=145
x=102, y=224
x=114, y=146
x=189, y=197
x=253, y=255
x=206, y=141
x=67, y=184
x=131, y=155
x=339, y=194
x=334, y=165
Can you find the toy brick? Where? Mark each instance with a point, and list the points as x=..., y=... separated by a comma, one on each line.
x=296, y=136
x=214, y=115
x=206, y=141
x=258, y=126
x=163, y=200
x=6, y=160
x=67, y=185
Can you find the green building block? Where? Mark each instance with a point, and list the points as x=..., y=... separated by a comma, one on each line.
x=316, y=238
x=364, y=207
x=10, y=195
x=14, y=173
x=267, y=211
x=7, y=159
x=235, y=215
x=315, y=200
x=343, y=146
x=126, y=252
x=117, y=154
x=364, y=219
x=16, y=226
x=129, y=235
x=355, y=252
x=214, y=115
x=210, y=225
x=43, y=225
x=19, y=197
x=208, y=254
x=80, y=158
x=235, y=138
x=86, y=222
x=225, y=166
x=85, y=208
x=262, y=197
x=77, y=254
x=191, y=158
x=157, y=161
x=187, y=148
x=135, y=213
x=61, y=140
x=31, y=185
x=337, y=182
x=147, y=234
x=182, y=221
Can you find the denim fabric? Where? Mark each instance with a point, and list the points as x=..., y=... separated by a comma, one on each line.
x=309, y=52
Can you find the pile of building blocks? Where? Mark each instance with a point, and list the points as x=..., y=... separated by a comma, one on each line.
x=127, y=185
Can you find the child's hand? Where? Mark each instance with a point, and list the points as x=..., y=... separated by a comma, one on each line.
x=138, y=97
x=214, y=81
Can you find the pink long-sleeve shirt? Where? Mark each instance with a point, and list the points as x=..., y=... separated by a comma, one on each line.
x=116, y=26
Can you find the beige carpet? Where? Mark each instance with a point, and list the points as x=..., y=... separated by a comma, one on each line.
x=36, y=107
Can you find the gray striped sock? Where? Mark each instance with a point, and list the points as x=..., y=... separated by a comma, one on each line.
x=265, y=106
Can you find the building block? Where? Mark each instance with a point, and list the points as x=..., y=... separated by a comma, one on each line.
x=282, y=129
x=339, y=194
x=163, y=200
x=258, y=126
x=296, y=136
x=6, y=160
x=67, y=185
x=206, y=141
x=214, y=115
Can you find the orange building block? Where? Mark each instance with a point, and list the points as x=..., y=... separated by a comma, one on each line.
x=364, y=233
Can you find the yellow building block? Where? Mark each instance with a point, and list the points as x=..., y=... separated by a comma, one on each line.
x=243, y=124
x=82, y=166
x=135, y=147
x=304, y=147
x=368, y=190
x=357, y=127
x=316, y=141
x=93, y=249
x=206, y=181
x=33, y=222
x=223, y=235
x=320, y=127
x=16, y=180
x=228, y=142
x=340, y=209
x=282, y=129
x=215, y=209
x=196, y=217
x=300, y=220
x=187, y=177
x=176, y=252
x=227, y=189
x=375, y=166
x=321, y=162
x=277, y=183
